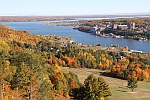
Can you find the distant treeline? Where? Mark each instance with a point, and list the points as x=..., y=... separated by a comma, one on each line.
x=29, y=18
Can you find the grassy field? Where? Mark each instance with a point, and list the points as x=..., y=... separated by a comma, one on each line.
x=113, y=49
x=117, y=86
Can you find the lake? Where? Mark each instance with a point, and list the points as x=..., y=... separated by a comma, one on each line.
x=39, y=28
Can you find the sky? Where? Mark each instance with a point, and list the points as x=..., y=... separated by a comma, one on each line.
x=72, y=7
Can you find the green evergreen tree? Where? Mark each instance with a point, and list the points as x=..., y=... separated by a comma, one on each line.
x=93, y=89
x=132, y=84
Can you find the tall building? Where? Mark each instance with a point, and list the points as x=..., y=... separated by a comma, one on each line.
x=131, y=25
x=114, y=26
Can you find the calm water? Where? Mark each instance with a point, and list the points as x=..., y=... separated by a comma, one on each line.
x=81, y=37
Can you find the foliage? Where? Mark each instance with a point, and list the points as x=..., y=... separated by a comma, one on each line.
x=132, y=84
x=84, y=28
x=31, y=65
x=93, y=89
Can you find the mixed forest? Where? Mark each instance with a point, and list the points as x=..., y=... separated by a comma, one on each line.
x=30, y=68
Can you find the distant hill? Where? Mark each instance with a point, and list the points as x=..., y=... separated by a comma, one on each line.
x=48, y=18
x=29, y=18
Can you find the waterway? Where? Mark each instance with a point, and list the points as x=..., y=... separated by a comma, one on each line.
x=39, y=28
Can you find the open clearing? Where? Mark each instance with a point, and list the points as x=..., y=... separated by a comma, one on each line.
x=117, y=86
x=113, y=49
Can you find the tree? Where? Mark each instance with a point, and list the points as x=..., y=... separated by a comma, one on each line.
x=26, y=81
x=132, y=84
x=93, y=89
x=126, y=48
x=46, y=88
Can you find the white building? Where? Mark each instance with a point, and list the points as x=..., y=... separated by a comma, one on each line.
x=96, y=29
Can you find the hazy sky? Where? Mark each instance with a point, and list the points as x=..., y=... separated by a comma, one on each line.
x=72, y=7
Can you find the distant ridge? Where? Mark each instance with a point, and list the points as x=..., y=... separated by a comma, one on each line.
x=47, y=18
x=96, y=15
x=112, y=15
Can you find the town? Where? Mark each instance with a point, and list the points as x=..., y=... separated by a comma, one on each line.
x=134, y=28
x=129, y=28
x=98, y=30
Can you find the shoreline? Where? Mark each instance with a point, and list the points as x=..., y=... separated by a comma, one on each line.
x=117, y=36
x=97, y=42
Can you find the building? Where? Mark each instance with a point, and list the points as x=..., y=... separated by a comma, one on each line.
x=120, y=57
x=108, y=24
x=131, y=25
x=122, y=27
x=114, y=26
x=96, y=29
x=102, y=28
x=134, y=51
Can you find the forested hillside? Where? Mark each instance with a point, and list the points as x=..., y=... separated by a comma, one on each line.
x=30, y=66
x=25, y=73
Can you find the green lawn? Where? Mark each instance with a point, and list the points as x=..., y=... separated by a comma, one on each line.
x=117, y=86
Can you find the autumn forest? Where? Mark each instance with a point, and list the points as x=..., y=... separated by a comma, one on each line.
x=30, y=67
